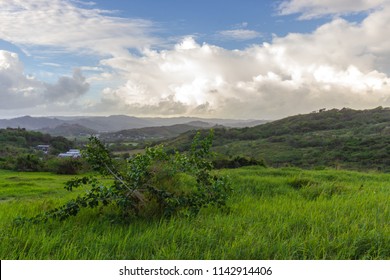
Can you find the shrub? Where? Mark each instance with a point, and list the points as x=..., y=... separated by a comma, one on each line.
x=7, y=162
x=28, y=162
x=238, y=161
x=149, y=183
x=70, y=166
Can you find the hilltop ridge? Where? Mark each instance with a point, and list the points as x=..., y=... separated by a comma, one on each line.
x=339, y=138
x=113, y=123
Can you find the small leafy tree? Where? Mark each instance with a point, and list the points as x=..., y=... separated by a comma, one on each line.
x=152, y=183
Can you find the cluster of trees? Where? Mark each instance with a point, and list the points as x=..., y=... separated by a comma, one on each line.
x=18, y=152
x=24, y=139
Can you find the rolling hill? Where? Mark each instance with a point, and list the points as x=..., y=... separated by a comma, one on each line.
x=160, y=132
x=68, y=130
x=346, y=138
x=113, y=123
x=30, y=123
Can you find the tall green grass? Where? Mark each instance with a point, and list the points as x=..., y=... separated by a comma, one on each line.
x=272, y=214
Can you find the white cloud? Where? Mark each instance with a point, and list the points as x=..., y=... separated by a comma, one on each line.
x=51, y=64
x=341, y=64
x=313, y=9
x=16, y=89
x=61, y=25
x=21, y=92
x=239, y=34
x=261, y=81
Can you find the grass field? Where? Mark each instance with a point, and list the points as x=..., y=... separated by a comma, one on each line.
x=272, y=214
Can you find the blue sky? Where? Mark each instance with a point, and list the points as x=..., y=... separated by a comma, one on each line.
x=232, y=59
x=205, y=18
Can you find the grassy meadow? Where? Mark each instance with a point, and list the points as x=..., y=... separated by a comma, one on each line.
x=282, y=213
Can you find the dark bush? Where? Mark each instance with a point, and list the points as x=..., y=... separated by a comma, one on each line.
x=28, y=162
x=238, y=161
x=70, y=166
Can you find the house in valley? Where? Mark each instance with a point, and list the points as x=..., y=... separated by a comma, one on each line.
x=72, y=153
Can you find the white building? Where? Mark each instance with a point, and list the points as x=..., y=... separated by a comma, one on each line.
x=43, y=148
x=73, y=153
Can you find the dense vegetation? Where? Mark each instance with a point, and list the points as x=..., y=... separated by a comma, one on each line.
x=18, y=152
x=280, y=213
x=27, y=140
x=343, y=138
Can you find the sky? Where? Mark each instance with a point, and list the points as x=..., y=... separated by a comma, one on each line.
x=246, y=59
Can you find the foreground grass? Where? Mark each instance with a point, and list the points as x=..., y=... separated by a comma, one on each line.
x=273, y=214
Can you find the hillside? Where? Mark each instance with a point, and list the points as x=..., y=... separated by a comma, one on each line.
x=22, y=138
x=17, y=141
x=30, y=123
x=68, y=130
x=160, y=132
x=113, y=123
x=346, y=138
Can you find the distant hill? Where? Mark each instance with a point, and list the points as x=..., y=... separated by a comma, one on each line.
x=69, y=130
x=98, y=124
x=214, y=121
x=346, y=138
x=114, y=123
x=30, y=123
x=160, y=132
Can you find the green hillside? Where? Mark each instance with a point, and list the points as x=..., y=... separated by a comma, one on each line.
x=24, y=139
x=156, y=132
x=69, y=130
x=346, y=138
x=15, y=142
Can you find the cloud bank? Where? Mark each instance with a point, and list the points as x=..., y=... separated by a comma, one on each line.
x=272, y=79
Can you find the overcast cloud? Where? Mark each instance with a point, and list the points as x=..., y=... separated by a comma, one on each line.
x=340, y=64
